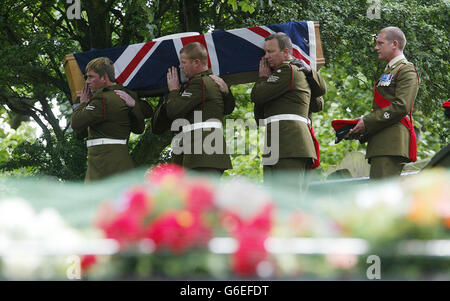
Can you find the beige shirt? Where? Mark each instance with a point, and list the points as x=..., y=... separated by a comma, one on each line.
x=393, y=61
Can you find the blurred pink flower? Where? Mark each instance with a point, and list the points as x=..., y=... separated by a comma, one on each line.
x=163, y=172
x=250, y=253
x=125, y=228
x=251, y=235
x=199, y=197
x=138, y=203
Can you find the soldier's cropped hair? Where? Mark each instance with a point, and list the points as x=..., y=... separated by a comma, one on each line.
x=195, y=51
x=394, y=33
x=283, y=40
x=102, y=66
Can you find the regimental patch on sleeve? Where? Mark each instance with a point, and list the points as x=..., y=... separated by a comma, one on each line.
x=386, y=115
x=186, y=94
x=90, y=108
x=273, y=79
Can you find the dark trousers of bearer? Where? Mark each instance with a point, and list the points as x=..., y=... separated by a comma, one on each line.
x=386, y=166
x=287, y=173
x=214, y=172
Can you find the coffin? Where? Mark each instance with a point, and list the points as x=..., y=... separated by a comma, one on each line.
x=233, y=54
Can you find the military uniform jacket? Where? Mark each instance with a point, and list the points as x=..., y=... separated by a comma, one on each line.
x=318, y=89
x=200, y=94
x=387, y=136
x=106, y=115
x=286, y=91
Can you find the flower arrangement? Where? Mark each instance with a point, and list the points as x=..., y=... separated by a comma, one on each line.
x=176, y=226
x=176, y=213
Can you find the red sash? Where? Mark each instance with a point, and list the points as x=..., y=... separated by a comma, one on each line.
x=316, y=162
x=382, y=103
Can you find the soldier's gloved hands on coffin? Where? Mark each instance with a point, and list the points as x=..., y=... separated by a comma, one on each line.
x=126, y=97
x=303, y=66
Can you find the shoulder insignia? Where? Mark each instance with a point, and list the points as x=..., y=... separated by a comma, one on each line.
x=272, y=79
x=186, y=94
x=90, y=108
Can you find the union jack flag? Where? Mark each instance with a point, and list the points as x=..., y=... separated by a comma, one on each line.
x=144, y=66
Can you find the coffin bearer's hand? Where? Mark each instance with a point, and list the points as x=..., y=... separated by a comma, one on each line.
x=126, y=97
x=173, y=83
x=223, y=87
x=303, y=66
x=85, y=93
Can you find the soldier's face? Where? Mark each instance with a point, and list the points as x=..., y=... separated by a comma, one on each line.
x=94, y=81
x=187, y=65
x=384, y=48
x=274, y=55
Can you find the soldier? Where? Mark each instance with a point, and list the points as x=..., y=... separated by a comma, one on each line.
x=282, y=94
x=388, y=130
x=203, y=101
x=107, y=120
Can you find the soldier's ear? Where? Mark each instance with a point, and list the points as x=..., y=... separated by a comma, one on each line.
x=197, y=62
x=395, y=43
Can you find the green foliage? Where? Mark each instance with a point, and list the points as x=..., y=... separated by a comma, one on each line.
x=59, y=160
x=346, y=33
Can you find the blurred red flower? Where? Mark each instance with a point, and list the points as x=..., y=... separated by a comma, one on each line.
x=251, y=236
x=178, y=230
x=125, y=228
x=87, y=261
x=163, y=171
x=199, y=197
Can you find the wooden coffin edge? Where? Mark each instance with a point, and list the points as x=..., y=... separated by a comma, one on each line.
x=75, y=78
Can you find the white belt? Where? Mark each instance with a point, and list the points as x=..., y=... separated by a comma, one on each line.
x=101, y=141
x=281, y=117
x=202, y=125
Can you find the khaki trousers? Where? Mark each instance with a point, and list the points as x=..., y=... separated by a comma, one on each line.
x=386, y=166
x=287, y=172
x=215, y=172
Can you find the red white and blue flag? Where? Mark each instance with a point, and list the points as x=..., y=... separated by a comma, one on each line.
x=144, y=66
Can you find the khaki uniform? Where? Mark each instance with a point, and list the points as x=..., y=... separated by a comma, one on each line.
x=106, y=115
x=386, y=135
x=200, y=94
x=318, y=89
x=286, y=91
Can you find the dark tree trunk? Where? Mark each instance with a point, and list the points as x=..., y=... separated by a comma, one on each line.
x=99, y=27
x=190, y=15
x=148, y=149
